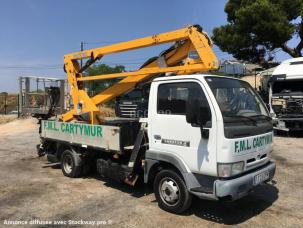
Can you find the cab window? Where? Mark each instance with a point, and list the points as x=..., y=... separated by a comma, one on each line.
x=172, y=97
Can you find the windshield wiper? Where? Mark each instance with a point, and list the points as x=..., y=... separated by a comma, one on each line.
x=265, y=116
x=244, y=117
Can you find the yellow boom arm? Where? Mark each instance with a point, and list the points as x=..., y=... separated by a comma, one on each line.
x=188, y=40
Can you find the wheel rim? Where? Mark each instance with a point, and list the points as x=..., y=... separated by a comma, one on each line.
x=68, y=164
x=169, y=191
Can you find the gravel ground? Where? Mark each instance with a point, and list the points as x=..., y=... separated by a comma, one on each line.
x=32, y=190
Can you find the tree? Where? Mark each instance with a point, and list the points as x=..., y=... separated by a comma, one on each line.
x=96, y=87
x=257, y=28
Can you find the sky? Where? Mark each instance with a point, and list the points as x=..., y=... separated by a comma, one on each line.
x=35, y=34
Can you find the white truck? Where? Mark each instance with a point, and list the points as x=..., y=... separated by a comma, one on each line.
x=286, y=95
x=207, y=136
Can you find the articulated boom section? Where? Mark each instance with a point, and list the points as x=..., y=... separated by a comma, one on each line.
x=190, y=40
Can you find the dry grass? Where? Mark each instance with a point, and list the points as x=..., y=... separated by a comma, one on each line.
x=7, y=118
x=11, y=101
x=107, y=112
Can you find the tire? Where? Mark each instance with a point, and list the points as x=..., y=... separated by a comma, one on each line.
x=171, y=192
x=71, y=164
x=40, y=150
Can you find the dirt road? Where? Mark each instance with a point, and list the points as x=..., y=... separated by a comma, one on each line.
x=30, y=189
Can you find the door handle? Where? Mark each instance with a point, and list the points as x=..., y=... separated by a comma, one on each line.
x=157, y=137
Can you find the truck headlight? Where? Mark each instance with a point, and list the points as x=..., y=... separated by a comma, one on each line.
x=230, y=169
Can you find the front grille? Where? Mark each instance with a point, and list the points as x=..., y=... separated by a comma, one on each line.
x=294, y=106
x=263, y=156
x=250, y=160
x=256, y=161
x=128, y=110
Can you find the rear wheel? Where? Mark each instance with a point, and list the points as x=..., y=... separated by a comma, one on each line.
x=71, y=164
x=171, y=192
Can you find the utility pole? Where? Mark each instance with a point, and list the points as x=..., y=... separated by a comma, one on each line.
x=18, y=97
x=81, y=48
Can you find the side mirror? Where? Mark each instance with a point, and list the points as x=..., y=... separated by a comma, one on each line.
x=205, y=116
x=196, y=114
x=192, y=111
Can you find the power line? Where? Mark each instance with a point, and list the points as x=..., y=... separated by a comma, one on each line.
x=134, y=61
x=31, y=66
x=57, y=66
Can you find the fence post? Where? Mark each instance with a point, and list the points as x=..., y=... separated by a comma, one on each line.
x=18, y=97
x=5, y=104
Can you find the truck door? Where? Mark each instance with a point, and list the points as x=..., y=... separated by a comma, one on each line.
x=171, y=133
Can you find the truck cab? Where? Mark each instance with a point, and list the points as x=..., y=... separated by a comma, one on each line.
x=214, y=131
x=133, y=104
x=286, y=95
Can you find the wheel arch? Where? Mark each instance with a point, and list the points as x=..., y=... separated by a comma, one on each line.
x=61, y=147
x=156, y=161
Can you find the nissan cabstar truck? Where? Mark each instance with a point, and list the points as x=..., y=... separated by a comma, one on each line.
x=204, y=135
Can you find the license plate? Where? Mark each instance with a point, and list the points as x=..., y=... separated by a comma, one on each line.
x=261, y=177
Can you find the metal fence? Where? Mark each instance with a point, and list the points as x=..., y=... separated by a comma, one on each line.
x=34, y=97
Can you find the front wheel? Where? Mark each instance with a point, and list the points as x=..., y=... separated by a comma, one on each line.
x=171, y=192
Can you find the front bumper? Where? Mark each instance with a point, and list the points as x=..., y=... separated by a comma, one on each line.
x=288, y=124
x=238, y=187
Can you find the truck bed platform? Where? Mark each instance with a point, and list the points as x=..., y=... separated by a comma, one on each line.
x=113, y=135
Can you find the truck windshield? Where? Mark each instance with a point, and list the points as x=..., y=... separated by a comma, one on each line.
x=288, y=87
x=237, y=99
x=133, y=95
